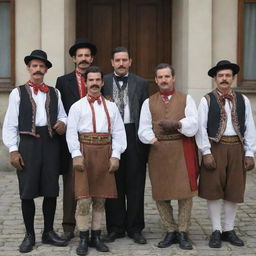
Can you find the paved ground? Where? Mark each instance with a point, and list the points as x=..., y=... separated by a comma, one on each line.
x=12, y=230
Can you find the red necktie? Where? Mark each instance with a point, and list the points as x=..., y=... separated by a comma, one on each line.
x=166, y=94
x=38, y=87
x=92, y=99
x=82, y=89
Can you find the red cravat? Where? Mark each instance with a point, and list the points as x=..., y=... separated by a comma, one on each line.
x=92, y=99
x=38, y=87
x=166, y=94
x=227, y=96
x=81, y=84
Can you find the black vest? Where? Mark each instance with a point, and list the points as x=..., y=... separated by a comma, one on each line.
x=217, y=117
x=27, y=110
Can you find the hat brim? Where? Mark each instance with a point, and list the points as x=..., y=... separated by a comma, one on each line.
x=27, y=59
x=73, y=48
x=213, y=71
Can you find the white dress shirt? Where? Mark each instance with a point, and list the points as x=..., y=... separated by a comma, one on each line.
x=80, y=121
x=189, y=122
x=10, y=133
x=202, y=139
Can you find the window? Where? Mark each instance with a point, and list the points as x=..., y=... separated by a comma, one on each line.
x=247, y=43
x=7, y=42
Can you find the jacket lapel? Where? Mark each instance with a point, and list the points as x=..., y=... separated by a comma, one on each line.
x=73, y=87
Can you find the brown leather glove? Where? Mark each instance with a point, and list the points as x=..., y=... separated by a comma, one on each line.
x=209, y=161
x=113, y=164
x=248, y=163
x=170, y=125
x=78, y=164
x=60, y=127
x=16, y=160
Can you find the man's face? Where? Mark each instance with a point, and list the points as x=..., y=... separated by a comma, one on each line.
x=164, y=79
x=94, y=83
x=83, y=59
x=224, y=79
x=37, y=69
x=121, y=63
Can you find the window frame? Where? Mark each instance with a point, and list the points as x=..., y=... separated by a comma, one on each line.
x=241, y=82
x=5, y=86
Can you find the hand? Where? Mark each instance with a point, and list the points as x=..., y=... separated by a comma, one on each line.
x=248, y=163
x=60, y=127
x=113, y=164
x=16, y=160
x=209, y=161
x=78, y=164
x=170, y=125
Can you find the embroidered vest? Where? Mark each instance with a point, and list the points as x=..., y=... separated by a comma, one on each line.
x=27, y=110
x=217, y=117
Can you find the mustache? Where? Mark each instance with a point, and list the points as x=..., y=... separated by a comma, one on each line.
x=164, y=83
x=224, y=82
x=38, y=73
x=95, y=86
x=83, y=62
x=121, y=67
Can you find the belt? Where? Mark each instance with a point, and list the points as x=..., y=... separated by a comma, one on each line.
x=230, y=140
x=175, y=136
x=95, y=138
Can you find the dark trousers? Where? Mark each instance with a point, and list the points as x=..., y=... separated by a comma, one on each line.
x=69, y=202
x=126, y=213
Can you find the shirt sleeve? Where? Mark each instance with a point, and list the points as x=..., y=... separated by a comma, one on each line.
x=119, y=141
x=62, y=116
x=190, y=121
x=10, y=132
x=202, y=139
x=145, y=132
x=250, y=130
x=72, y=131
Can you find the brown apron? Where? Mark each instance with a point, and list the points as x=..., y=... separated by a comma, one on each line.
x=95, y=180
x=168, y=169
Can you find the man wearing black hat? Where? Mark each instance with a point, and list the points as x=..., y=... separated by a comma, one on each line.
x=227, y=140
x=72, y=88
x=126, y=213
x=34, y=116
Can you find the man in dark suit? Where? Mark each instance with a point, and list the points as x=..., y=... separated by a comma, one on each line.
x=72, y=88
x=126, y=214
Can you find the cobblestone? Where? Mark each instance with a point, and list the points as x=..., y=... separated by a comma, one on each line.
x=12, y=228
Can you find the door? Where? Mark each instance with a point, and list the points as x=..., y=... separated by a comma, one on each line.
x=143, y=26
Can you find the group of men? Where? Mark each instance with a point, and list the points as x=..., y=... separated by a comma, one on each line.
x=101, y=131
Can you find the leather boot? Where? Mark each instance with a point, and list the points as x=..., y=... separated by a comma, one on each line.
x=97, y=243
x=27, y=243
x=82, y=247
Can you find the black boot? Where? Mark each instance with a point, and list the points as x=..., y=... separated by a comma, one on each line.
x=27, y=243
x=184, y=241
x=97, y=243
x=82, y=248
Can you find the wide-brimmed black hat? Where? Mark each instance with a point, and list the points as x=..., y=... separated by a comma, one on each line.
x=223, y=64
x=82, y=43
x=38, y=55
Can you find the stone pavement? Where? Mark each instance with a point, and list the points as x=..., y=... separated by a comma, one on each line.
x=12, y=229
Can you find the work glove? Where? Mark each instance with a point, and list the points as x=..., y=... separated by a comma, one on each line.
x=209, y=161
x=248, y=163
x=113, y=164
x=78, y=164
x=170, y=125
x=16, y=160
x=60, y=127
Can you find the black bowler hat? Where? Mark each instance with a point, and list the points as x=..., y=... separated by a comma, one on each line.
x=82, y=43
x=223, y=64
x=38, y=55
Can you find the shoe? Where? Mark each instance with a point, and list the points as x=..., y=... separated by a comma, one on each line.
x=53, y=238
x=215, y=239
x=67, y=235
x=169, y=239
x=112, y=236
x=138, y=238
x=97, y=243
x=230, y=236
x=82, y=247
x=27, y=243
x=184, y=241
